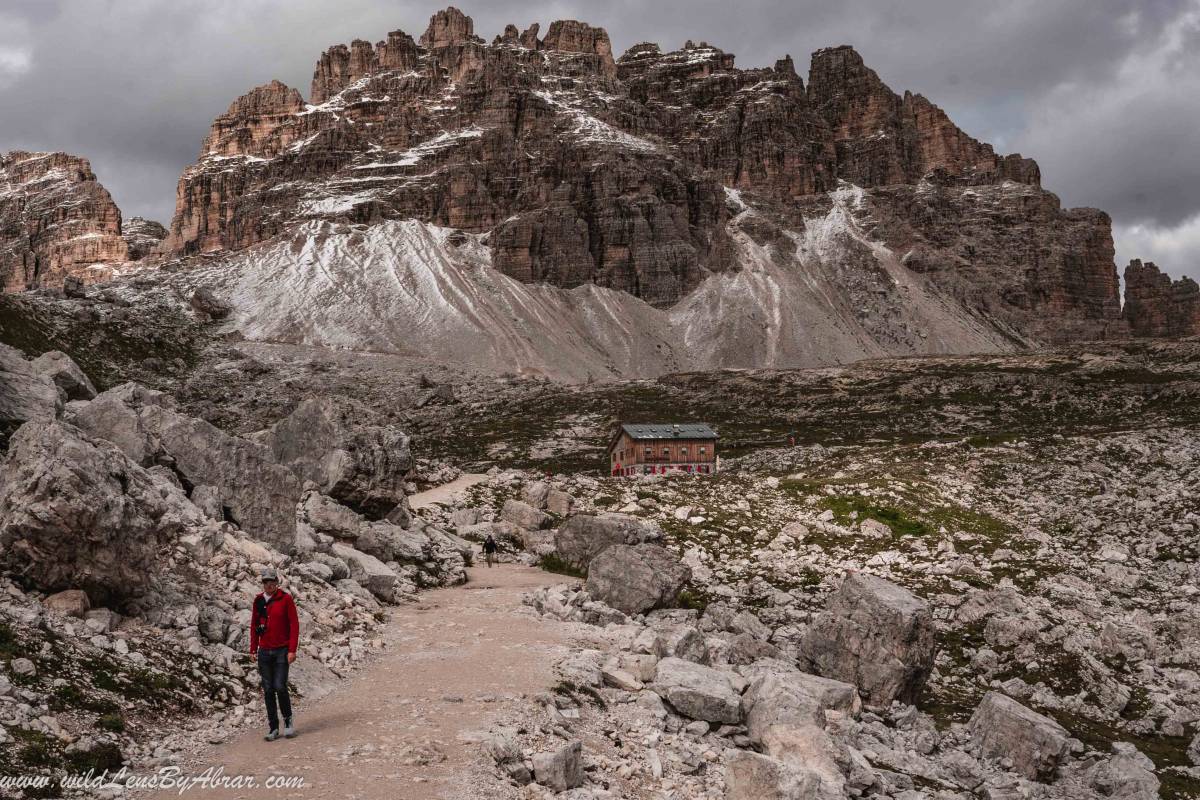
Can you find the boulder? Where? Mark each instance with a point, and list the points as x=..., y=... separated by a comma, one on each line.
x=69, y=603
x=502, y=745
x=438, y=557
x=75, y=512
x=561, y=769
x=25, y=393
x=370, y=573
x=535, y=494
x=876, y=635
x=1003, y=728
x=360, y=465
x=114, y=415
x=465, y=517
x=524, y=515
x=1127, y=775
x=584, y=536
x=697, y=691
x=675, y=641
x=784, y=710
x=559, y=503
x=261, y=495
x=753, y=776
x=779, y=697
x=636, y=579
x=744, y=649
x=720, y=617
x=874, y=529
x=213, y=623
x=206, y=302
x=104, y=619
x=582, y=668
x=65, y=374
x=318, y=514
x=618, y=678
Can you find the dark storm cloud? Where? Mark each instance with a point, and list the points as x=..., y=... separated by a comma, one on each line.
x=1101, y=92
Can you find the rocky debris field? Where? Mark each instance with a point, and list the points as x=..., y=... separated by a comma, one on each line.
x=131, y=535
x=950, y=620
x=935, y=577
x=1014, y=611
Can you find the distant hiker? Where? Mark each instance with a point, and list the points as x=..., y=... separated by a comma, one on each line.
x=274, y=634
x=489, y=549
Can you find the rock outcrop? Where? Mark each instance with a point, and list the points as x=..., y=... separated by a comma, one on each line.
x=142, y=236
x=256, y=492
x=1156, y=306
x=76, y=512
x=65, y=374
x=56, y=221
x=741, y=217
x=362, y=466
x=884, y=139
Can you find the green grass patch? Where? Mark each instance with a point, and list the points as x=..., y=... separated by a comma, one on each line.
x=111, y=722
x=10, y=646
x=855, y=508
x=34, y=748
x=689, y=598
x=70, y=696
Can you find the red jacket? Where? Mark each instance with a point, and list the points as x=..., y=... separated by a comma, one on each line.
x=283, y=626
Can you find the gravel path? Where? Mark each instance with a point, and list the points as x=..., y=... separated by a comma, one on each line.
x=401, y=727
x=443, y=493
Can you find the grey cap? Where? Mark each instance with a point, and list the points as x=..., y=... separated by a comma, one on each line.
x=269, y=574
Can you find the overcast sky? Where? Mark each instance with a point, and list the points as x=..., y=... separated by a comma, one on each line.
x=1105, y=94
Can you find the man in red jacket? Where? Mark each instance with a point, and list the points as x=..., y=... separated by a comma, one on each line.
x=274, y=634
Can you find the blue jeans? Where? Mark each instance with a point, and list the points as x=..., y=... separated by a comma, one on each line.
x=273, y=669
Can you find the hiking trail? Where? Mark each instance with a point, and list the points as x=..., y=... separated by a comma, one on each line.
x=401, y=727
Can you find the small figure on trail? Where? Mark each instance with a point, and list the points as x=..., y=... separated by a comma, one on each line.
x=489, y=549
x=274, y=635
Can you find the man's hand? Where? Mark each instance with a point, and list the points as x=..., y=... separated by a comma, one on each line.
x=291, y=657
x=253, y=652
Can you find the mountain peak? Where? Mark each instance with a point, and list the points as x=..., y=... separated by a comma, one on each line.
x=448, y=27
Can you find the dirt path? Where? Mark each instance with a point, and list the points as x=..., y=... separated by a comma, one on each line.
x=442, y=494
x=396, y=729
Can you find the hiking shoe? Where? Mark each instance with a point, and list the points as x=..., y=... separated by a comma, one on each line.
x=288, y=730
x=272, y=736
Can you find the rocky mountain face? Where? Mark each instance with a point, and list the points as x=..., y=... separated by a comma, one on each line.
x=580, y=169
x=581, y=214
x=143, y=236
x=55, y=220
x=1155, y=305
x=58, y=223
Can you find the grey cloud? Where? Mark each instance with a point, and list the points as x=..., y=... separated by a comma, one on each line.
x=134, y=86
